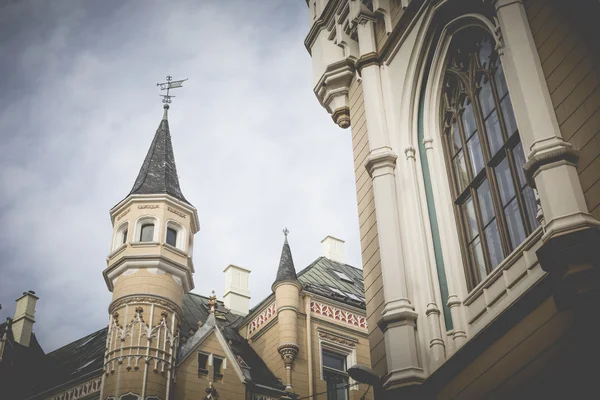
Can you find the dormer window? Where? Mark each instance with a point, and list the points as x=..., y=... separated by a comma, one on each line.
x=147, y=232
x=171, y=236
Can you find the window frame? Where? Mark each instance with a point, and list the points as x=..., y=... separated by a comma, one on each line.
x=138, y=229
x=469, y=85
x=333, y=371
x=218, y=375
x=180, y=240
x=121, y=235
x=203, y=371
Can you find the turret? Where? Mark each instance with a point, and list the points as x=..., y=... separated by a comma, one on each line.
x=149, y=270
x=287, y=298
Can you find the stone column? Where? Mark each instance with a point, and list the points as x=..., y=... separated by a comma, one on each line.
x=287, y=295
x=551, y=166
x=398, y=320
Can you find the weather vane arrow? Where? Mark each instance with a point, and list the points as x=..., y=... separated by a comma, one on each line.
x=168, y=85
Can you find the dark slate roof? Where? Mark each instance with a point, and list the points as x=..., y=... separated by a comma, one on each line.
x=159, y=173
x=323, y=277
x=286, y=270
x=71, y=361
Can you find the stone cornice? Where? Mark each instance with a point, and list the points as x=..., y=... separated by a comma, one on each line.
x=145, y=298
x=321, y=23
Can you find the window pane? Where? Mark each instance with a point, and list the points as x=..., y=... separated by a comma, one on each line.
x=471, y=221
x=509, y=116
x=202, y=362
x=469, y=124
x=171, y=236
x=486, y=98
x=124, y=238
x=485, y=202
x=520, y=161
x=456, y=139
x=336, y=386
x=476, y=254
x=334, y=361
x=475, y=153
x=515, y=223
x=492, y=236
x=505, y=182
x=217, y=363
x=147, y=234
x=500, y=81
x=530, y=206
x=460, y=170
x=494, y=133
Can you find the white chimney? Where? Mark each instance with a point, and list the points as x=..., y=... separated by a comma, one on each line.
x=237, y=292
x=23, y=320
x=333, y=248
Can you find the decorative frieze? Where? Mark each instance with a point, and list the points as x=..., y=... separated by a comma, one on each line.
x=146, y=300
x=148, y=206
x=261, y=319
x=80, y=391
x=338, y=314
x=176, y=212
x=335, y=338
x=257, y=396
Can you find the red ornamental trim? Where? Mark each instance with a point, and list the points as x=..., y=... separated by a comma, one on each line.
x=265, y=316
x=338, y=315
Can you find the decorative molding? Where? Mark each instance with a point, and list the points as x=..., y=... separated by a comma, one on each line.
x=148, y=206
x=176, y=212
x=261, y=319
x=124, y=214
x=337, y=338
x=338, y=315
x=257, y=396
x=341, y=117
x=80, y=391
x=333, y=89
x=366, y=60
x=381, y=159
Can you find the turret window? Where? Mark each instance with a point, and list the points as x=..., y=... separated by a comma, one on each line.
x=172, y=236
x=147, y=232
x=124, y=237
x=121, y=236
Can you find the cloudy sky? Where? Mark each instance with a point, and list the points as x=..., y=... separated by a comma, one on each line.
x=79, y=107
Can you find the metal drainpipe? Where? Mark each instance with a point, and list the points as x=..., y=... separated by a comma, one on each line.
x=308, y=344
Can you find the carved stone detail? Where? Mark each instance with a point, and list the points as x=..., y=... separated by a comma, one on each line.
x=338, y=314
x=162, y=302
x=261, y=319
x=288, y=352
x=331, y=337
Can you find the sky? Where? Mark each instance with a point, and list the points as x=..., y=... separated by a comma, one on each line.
x=79, y=107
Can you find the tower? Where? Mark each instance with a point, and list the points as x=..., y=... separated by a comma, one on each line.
x=287, y=300
x=149, y=269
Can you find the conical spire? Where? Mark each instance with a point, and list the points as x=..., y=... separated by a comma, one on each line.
x=158, y=173
x=286, y=270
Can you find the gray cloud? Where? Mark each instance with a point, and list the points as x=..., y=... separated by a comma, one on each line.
x=255, y=151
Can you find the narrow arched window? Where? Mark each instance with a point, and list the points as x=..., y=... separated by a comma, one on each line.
x=494, y=206
x=147, y=232
x=124, y=236
x=172, y=236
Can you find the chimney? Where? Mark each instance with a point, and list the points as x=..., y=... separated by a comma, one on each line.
x=237, y=292
x=333, y=248
x=24, y=318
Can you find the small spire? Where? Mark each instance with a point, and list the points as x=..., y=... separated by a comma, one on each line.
x=165, y=115
x=286, y=270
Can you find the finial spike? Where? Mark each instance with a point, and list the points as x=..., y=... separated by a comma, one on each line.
x=285, y=233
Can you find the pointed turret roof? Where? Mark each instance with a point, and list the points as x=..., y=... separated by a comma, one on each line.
x=159, y=173
x=286, y=270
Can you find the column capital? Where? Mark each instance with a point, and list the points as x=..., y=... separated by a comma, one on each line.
x=380, y=162
x=548, y=151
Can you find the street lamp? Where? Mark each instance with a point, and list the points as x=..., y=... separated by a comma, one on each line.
x=363, y=374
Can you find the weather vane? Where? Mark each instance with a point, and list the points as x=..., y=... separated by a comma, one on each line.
x=168, y=85
x=285, y=232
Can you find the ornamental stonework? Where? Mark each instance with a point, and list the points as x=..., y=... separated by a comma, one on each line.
x=339, y=315
x=81, y=391
x=261, y=319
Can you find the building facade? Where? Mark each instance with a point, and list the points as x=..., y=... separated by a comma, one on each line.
x=164, y=342
x=475, y=127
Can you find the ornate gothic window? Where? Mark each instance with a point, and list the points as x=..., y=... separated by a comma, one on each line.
x=494, y=206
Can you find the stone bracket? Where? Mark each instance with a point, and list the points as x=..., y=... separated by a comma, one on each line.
x=547, y=152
